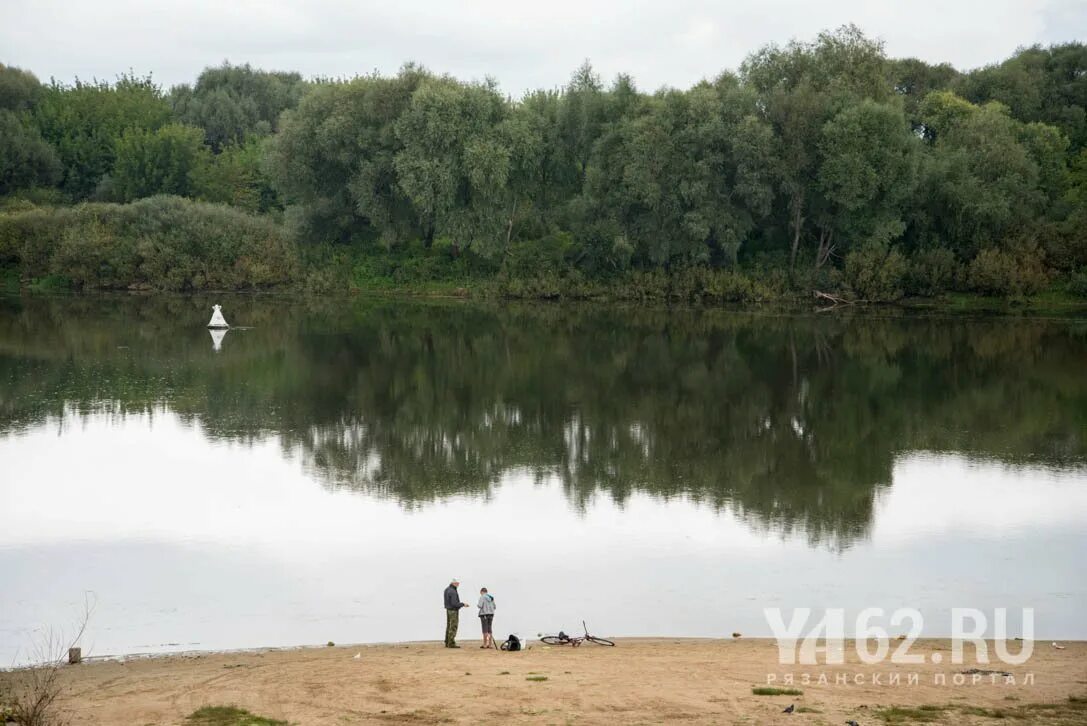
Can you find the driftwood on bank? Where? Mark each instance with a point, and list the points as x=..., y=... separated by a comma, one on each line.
x=834, y=299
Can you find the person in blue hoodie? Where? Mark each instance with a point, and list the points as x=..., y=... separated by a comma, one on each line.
x=486, y=617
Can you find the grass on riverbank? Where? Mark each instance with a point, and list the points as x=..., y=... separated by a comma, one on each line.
x=1063, y=713
x=418, y=271
x=229, y=716
x=1056, y=299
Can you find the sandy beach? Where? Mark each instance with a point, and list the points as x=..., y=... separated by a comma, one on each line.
x=646, y=681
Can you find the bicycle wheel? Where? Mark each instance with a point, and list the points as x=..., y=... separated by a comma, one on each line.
x=599, y=641
x=554, y=640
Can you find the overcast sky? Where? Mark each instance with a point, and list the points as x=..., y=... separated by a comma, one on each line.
x=522, y=44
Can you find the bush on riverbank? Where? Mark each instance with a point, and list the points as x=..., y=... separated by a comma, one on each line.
x=685, y=285
x=541, y=270
x=537, y=270
x=159, y=243
x=175, y=244
x=1078, y=285
x=1008, y=273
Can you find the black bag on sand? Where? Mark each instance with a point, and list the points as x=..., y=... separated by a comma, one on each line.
x=513, y=643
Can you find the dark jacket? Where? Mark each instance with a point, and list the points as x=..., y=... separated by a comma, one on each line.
x=452, y=599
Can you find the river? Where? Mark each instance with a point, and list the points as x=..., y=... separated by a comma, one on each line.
x=323, y=470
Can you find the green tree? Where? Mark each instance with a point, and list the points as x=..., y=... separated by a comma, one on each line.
x=913, y=79
x=83, y=123
x=581, y=120
x=19, y=90
x=332, y=161
x=454, y=164
x=164, y=161
x=979, y=183
x=236, y=177
x=939, y=111
x=26, y=160
x=523, y=133
x=866, y=178
x=801, y=87
x=687, y=178
x=1048, y=85
x=232, y=102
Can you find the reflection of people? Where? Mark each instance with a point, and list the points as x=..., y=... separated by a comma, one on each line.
x=486, y=616
x=452, y=613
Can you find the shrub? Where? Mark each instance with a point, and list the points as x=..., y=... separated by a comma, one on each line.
x=163, y=243
x=9, y=283
x=875, y=272
x=1010, y=273
x=1065, y=242
x=50, y=283
x=91, y=254
x=931, y=271
x=1078, y=284
x=526, y=258
x=826, y=279
x=735, y=286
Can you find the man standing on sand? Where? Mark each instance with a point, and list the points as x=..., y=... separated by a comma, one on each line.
x=452, y=613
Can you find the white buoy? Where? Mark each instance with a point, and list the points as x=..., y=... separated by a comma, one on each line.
x=217, y=319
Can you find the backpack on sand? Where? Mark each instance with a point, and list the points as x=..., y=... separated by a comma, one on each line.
x=512, y=644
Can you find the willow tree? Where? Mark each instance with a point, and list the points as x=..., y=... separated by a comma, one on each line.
x=801, y=87
x=25, y=159
x=581, y=120
x=866, y=178
x=20, y=90
x=686, y=178
x=980, y=183
x=332, y=161
x=232, y=103
x=454, y=163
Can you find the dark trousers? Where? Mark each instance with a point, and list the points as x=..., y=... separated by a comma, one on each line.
x=452, y=622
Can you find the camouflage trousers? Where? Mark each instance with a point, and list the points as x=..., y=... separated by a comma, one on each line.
x=452, y=622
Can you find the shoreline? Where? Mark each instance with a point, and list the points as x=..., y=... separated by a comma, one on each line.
x=641, y=680
x=957, y=305
x=534, y=642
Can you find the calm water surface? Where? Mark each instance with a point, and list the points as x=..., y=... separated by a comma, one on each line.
x=321, y=474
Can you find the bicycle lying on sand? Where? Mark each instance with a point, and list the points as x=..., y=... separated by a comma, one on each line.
x=574, y=640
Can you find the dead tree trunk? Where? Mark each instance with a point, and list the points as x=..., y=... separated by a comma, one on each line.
x=826, y=247
x=798, y=221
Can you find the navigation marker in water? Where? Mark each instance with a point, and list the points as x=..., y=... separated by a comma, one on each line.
x=217, y=319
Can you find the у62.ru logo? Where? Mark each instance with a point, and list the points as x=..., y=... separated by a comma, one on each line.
x=823, y=642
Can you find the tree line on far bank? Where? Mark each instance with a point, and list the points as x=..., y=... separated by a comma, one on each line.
x=821, y=164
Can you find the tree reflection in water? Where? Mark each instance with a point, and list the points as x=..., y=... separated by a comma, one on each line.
x=792, y=421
